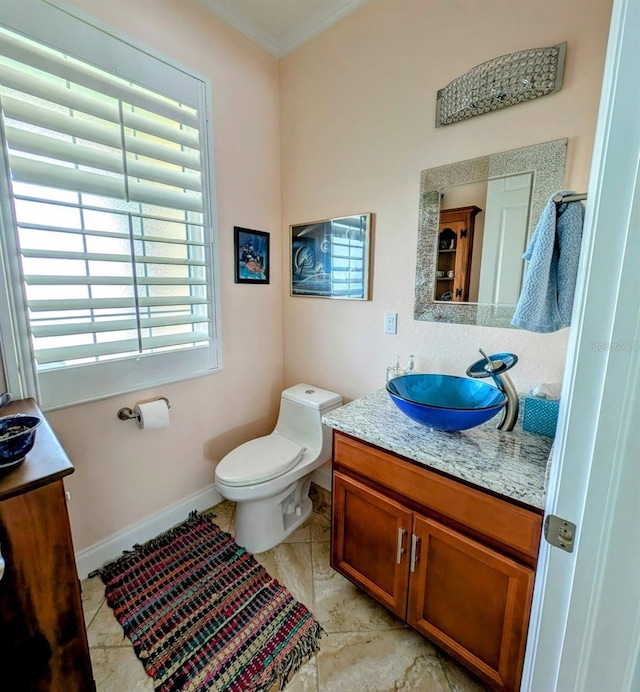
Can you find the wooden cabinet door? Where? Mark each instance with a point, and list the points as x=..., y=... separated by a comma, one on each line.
x=471, y=601
x=369, y=542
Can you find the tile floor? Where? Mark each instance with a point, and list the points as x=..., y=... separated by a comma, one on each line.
x=366, y=648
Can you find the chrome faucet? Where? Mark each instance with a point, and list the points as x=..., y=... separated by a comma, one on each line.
x=496, y=367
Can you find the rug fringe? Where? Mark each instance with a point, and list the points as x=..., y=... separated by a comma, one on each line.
x=306, y=647
x=142, y=549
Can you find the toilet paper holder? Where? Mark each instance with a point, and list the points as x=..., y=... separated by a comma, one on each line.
x=126, y=413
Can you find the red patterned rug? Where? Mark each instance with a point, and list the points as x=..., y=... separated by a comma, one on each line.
x=202, y=614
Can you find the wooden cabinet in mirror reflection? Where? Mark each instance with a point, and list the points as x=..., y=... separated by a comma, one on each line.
x=455, y=244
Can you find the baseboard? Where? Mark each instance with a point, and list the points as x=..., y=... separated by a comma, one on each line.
x=322, y=476
x=108, y=549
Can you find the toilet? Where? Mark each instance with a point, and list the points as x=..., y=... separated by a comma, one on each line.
x=269, y=477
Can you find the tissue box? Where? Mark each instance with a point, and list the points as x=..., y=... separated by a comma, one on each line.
x=540, y=415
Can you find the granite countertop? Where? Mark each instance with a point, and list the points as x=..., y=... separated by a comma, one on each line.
x=512, y=464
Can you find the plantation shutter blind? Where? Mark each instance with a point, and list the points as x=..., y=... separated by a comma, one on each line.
x=106, y=180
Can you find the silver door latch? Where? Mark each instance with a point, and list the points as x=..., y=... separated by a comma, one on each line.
x=559, y=532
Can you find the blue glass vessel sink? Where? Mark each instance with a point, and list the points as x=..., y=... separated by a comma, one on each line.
x=446, y=402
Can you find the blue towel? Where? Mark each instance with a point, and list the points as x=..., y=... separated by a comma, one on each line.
x=546, y=299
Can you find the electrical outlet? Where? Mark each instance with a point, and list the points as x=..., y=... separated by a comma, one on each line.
x=390, y=322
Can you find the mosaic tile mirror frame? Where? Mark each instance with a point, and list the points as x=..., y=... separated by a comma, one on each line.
x=545, y=162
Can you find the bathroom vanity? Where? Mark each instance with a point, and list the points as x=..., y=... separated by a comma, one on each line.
x=43, y=643
x=441, y=528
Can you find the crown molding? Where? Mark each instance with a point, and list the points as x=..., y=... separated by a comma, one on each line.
x=228, y=13
x=315, y=25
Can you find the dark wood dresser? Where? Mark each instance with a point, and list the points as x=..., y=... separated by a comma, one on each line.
x=43, y=642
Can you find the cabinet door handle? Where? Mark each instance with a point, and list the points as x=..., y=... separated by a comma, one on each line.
x=1, y=566
x=400, y=549
x=415, y=542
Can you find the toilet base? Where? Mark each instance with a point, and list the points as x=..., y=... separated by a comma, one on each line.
x=262, y=524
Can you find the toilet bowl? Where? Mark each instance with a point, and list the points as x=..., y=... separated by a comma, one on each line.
x=269, y=477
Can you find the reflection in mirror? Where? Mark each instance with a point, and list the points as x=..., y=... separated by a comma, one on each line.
x=330, y=258
x=496, y=227
x=476, y=220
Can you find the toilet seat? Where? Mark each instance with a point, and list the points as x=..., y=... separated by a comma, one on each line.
x=259, y=460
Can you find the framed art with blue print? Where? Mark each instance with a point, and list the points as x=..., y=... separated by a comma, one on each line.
x=330, y=258
x=251, y=256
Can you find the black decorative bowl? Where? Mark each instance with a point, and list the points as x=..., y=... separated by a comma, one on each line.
x=17, y=436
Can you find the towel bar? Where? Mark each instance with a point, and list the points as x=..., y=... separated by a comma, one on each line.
x=558, y=199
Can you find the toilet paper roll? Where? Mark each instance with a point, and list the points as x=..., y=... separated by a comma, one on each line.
x=152, y=415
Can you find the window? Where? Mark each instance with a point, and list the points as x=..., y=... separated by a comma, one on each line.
x=106, y=208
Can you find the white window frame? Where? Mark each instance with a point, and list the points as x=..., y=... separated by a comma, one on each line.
x=63, y=28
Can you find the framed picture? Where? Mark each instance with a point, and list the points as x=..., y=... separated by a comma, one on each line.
x=251, y=256
x=330, y=258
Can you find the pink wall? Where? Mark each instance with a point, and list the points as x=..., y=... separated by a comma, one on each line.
x=357, y=127
x=124, y=474
x=354, y=131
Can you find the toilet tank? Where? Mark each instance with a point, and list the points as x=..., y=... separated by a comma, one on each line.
x=300, y=419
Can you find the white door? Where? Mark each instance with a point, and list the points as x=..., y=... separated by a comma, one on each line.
x=505, y=239
x=585, y=628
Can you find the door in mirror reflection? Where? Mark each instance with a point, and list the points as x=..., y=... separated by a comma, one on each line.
x=489, y=265
x=505, y=239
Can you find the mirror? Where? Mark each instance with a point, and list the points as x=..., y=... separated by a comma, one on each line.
x=476, y=219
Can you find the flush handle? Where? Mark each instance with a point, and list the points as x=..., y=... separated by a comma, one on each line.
x=400, y=550
x=415, y=551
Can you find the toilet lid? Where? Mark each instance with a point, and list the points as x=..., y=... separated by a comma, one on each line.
x=259, y=460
